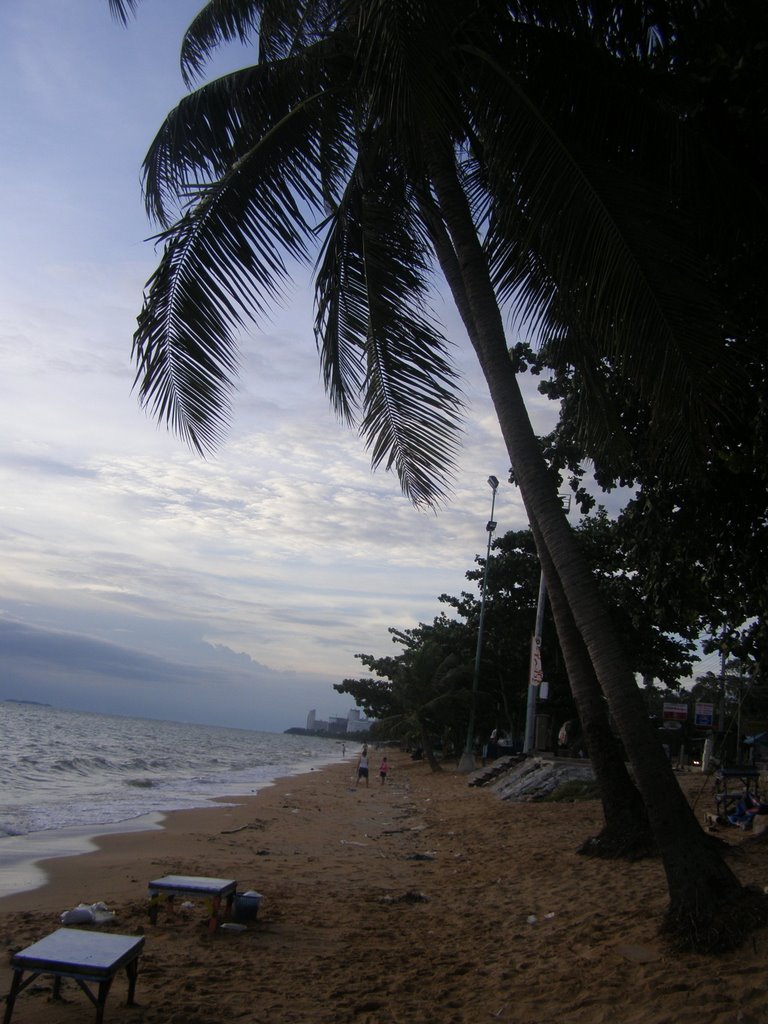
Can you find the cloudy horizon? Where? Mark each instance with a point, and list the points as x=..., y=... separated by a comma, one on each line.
x=137, y=577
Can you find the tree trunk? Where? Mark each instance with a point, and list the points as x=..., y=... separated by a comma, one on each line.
x=426, y=744
x=703, y=890
x=627, y=832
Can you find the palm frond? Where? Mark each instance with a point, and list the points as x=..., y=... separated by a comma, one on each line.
x=121, y=9
x=375, y=334
x=224, y=262
x=282, y=27
x=225, y=121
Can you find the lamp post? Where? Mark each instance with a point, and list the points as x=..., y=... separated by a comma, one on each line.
x=467, y=762
x=535, y=674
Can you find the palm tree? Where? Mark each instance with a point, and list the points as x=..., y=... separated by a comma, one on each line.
x=404, y=133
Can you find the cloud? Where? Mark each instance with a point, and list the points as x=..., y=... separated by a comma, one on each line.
x=269, y=564
x=215, y=684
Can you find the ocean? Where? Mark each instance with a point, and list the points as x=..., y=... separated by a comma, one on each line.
x=68, y=776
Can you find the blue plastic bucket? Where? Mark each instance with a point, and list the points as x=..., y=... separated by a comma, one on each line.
x=245, y=906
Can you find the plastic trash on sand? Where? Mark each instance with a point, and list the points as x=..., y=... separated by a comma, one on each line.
x=88, y=913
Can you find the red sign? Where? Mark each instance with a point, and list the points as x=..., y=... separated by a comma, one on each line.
x=674, y=712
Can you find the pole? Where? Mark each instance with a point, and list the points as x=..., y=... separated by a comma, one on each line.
x=535, y=675
x=467, y=761
x=534, y=671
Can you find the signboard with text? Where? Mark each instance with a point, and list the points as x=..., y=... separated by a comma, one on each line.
x=704, y=715
x=674, y=712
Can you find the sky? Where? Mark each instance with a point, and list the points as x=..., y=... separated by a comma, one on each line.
x=136, y=577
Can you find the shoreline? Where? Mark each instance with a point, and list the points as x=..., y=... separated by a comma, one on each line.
x=420, y=900
x=23, y=857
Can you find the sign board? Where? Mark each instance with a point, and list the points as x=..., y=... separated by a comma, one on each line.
x=674, y=712
x=704, y=715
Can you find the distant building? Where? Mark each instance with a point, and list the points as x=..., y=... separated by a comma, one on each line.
x=355, y=723
x=337, y=724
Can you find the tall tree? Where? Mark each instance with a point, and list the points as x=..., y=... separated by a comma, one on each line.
x=419, y=688
x=438, y=130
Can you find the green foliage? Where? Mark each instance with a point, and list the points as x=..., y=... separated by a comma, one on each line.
x=739, y=688
x=432, y=675
x=696, y=532
x=421, y=692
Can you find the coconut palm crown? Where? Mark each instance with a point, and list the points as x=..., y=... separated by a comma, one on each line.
x=331, y=141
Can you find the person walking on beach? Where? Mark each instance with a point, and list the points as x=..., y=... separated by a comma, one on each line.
x=362, y=766
x=383, y=770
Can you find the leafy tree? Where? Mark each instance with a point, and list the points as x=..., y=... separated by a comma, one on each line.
x=739, y=693
x=696, y=533
x=510, y=610
x=419, y=689
x=438, y=131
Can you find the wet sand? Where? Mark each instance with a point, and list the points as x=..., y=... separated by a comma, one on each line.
x=423, y=900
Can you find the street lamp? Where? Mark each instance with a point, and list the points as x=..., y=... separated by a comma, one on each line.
x=467, y=762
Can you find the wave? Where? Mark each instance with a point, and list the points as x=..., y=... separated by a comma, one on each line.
x=61, y=768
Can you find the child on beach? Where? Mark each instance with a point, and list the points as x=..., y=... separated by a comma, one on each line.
x=383, y=770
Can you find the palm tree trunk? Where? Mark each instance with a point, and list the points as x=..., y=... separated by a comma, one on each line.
x=627, y=832
x=702, y=888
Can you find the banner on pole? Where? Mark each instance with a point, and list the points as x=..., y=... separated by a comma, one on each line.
x=537, y=673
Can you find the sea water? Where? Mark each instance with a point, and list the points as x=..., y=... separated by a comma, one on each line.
x=67, y=776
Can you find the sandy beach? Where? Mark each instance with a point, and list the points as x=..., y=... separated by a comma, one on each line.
x=420, y=900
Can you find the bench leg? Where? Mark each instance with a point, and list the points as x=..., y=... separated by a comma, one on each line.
x=10, y=999
x=154, y=901
x=132, y=970
x=215, y=910
x=104, y=988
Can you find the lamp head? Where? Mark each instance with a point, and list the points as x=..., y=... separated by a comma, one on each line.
x=493, y=482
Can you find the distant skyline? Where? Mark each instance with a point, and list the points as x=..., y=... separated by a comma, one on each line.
x=137, y=578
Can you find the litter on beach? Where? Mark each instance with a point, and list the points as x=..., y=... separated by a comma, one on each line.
x=88, y=913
